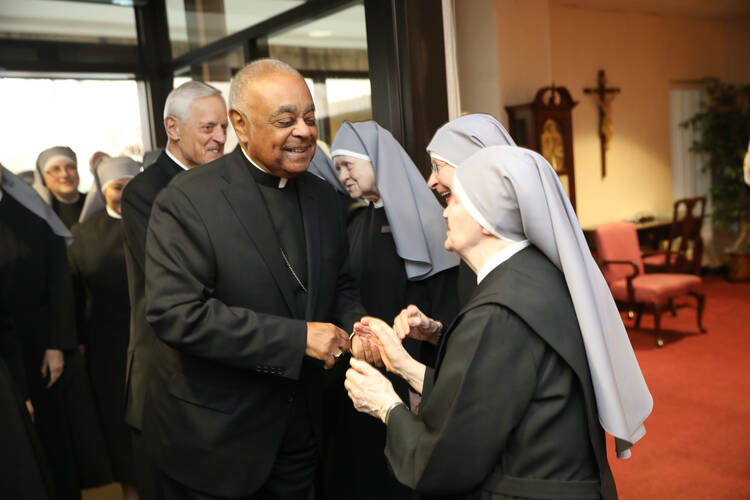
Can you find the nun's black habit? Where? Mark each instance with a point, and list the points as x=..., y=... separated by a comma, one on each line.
x=378, y=237
x=40, y=307
x=97, y=263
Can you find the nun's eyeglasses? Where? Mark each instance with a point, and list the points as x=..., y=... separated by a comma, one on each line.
x=59, y=170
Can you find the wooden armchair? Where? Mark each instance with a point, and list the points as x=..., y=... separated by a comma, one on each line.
x=632, y=289
x=684, y=250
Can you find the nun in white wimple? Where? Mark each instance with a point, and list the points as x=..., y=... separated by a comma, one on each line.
x=397, y=258
x=97, y=263
x=56, y=180
x=535, y=367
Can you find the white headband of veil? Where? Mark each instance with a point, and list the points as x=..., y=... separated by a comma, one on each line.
x=322, y=166
x=462, y=137
x=43, y=161
x=516, y=188
x=105, y=171
x=26, y=195
x=413, y=211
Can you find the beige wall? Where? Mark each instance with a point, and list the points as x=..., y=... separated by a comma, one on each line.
x=643, y=54
x=523, y=32
x=476, y=49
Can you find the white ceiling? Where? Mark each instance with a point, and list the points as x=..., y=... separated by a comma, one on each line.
x=716, y=9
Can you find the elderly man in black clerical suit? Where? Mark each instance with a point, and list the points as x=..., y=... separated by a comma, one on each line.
x=195, y=118
x=246, y=272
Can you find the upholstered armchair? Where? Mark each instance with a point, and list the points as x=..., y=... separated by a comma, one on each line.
x=632, y=289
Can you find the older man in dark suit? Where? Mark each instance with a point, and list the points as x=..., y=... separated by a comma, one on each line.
x=247, y=269
x=195, y=118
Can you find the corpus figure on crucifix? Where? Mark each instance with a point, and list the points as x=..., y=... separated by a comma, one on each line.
x=604, y=96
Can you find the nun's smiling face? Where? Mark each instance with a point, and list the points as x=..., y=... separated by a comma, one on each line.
x=358, y=176
x=464, y=233
x=61, y=178
x=441, y=178
x=113, y=193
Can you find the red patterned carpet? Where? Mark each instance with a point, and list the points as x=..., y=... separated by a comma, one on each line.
x=697, y=443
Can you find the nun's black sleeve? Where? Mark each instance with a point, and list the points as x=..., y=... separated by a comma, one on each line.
x=482, y=389
x=79, y=291
x=62, y=323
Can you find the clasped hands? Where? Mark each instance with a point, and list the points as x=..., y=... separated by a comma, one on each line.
x=375, y=342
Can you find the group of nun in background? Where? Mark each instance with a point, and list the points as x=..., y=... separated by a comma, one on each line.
x=523, y=364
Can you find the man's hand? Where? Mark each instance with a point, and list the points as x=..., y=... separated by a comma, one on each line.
x=413, y=323
x=53, y=363
x=326, y=342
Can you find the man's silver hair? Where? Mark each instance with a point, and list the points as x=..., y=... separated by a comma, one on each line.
x=179, y=100
x=244, y=78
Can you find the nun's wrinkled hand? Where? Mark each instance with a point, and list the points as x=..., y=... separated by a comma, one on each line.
x=413, y=323
x=52, y=364
x=395, y=358
x=369, y=390
x=365, y=347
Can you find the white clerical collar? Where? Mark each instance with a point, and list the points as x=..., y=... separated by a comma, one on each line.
x=376, y=204
x=178, y=162
x=282, y=180
x=500, y=257
x=112, y=213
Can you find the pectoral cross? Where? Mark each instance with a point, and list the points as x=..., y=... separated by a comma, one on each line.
x=604, y=96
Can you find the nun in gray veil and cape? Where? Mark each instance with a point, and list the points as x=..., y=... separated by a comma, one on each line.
x=397, y=258
x=450, y=146
x=534, y=369
x=97, y=263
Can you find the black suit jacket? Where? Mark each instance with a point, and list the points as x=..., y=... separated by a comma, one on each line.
x=220, y=298
x=137, y=200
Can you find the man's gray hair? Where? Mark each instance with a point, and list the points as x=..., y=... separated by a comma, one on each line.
x=244, y=77
x=179, y=100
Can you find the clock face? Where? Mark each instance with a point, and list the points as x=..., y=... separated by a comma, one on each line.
x=552, y=145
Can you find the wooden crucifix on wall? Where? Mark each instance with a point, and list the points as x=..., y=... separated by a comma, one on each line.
x=604, y=96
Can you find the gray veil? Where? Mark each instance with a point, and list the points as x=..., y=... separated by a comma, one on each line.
x=462, y=137
x=511, y=190
x=24, y=194
x=322, y=166
x=413, y=211
x=42, y=160
x=105, y=171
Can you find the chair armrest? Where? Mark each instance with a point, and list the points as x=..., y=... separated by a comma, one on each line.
x=655, y=252
x=629, y=278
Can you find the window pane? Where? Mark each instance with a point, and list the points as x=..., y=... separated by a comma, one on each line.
x=67, y=21
x=331, y=53
x=86, y=115
x=191, y=27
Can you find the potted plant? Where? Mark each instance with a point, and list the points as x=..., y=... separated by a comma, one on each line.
x=723, y=126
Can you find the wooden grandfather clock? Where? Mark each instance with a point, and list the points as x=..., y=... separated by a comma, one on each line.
x=545, y=125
